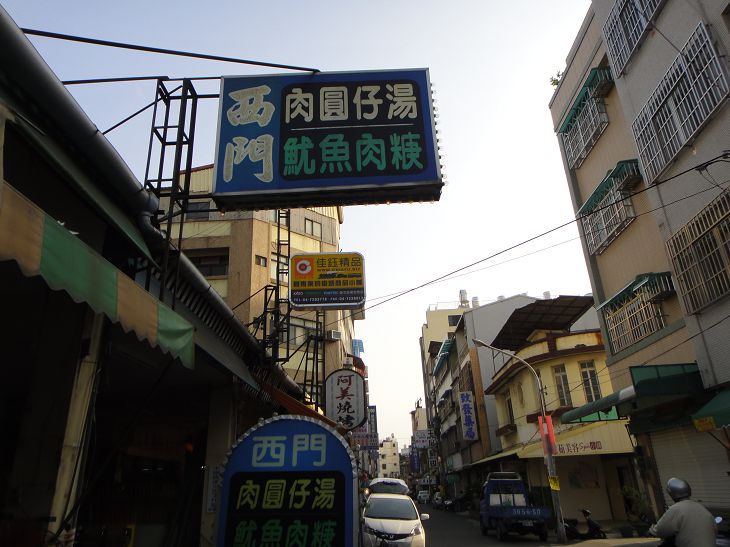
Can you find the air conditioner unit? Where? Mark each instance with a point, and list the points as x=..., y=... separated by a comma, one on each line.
x=333, y=335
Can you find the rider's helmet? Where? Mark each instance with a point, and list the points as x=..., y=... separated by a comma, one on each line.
x=678, y=489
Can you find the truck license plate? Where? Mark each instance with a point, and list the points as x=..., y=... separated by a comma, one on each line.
x=526, y=522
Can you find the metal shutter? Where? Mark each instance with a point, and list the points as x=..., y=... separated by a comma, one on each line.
x=697, y=458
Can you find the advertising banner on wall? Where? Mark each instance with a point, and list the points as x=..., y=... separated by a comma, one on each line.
x=327, y=281
x=345, y=398
x=289, y=481
x=421, y=438
x=468, y=416
x=337, y=138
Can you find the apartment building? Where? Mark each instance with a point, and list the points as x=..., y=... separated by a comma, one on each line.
x=561, y=341
x=239, y=255
x=389, y=458
x=644, y=130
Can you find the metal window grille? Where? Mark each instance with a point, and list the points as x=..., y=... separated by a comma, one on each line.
x=700, y=253
x=590, y=381
x=633, y=320
x=692, y=89
x=626, y=26
x=613, y=211
x=562, y=385
x=587, y=127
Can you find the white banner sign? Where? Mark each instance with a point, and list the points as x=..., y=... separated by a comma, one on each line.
x=468, y=416
x=345, y=398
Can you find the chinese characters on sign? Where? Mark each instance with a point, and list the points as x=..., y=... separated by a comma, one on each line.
x=290, y=481
x=293, y=509
x=345, y=398
x=583, y=447
x=468, y=418
x=283, y=138
x=327, y=280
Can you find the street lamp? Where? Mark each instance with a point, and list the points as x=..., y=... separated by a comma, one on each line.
x=549, y=459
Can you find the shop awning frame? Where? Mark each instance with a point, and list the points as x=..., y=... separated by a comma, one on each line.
x=715, y=414
x=41, y=246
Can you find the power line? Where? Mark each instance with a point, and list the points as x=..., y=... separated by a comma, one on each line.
x=149, y=49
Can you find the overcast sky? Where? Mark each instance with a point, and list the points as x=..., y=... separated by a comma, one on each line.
x=490, y=62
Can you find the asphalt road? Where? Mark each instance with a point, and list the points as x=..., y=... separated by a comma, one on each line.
x=447, y=529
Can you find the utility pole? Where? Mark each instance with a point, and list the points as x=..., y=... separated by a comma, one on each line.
x=549, y=456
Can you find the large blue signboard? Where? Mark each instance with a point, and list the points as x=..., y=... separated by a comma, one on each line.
x=326, y=139
x=290, y=482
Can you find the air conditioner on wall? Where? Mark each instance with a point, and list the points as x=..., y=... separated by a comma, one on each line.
x=333, y=335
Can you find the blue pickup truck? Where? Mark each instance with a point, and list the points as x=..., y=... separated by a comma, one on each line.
x=505, y=508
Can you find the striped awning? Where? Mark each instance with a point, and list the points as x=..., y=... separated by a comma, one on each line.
x=42, y=246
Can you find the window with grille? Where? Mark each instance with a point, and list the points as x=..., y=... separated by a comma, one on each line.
x=508, y=407
x=590, y=381
x=260, y=260
x=636, y=311
x=700, y=253
x=454, y=320
x=692, y=89
x=586, y=120
x=626, y=26
x=211, y=262
x=561, y=383
x=608, y=211
x=312, y=228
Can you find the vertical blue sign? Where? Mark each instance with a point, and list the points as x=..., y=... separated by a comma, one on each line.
x=290, y=481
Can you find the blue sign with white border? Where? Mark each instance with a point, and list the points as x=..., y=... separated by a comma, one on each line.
x=291, y=480
x=334, y=138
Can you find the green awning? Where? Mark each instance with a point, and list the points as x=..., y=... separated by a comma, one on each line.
x=86, y=187
x=610, y=181
x=443, y=355
x=600, y=410
x=41, y=246
x=653, y=385
x=715, y=414
x=596, y=79
x=655, y=284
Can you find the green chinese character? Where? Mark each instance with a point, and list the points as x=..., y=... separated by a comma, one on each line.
x=274, y=494
x=406, y=151
x=296, y=534
x=271, y=533
x=335, y=154
x=248, y=494
x=324, y=533
x=298, y=493
x=244, y=536
x=370, y=150
x=296, y=156
x=325, y=493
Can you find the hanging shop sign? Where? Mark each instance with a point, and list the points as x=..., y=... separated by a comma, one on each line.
x=291, y=480
x=327, y=281
x=345, y=398
x=421, y=438
x=468, y=416
x=326, y=138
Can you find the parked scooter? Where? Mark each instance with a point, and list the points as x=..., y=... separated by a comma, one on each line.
x=594, y=529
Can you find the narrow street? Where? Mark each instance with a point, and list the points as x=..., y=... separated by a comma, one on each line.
x=447, y=529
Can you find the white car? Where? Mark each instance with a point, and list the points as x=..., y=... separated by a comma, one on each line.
x=423, y=496
x=393, y=520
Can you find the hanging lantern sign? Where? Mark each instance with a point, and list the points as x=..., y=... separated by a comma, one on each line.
x=345, y=398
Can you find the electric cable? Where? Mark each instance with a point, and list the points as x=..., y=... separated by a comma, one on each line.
x=149, y=49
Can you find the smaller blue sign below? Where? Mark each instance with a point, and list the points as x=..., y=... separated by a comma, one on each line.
x=334, y=138
x=291, y=480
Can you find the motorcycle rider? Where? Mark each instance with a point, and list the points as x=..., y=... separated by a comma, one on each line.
x=687, y=521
